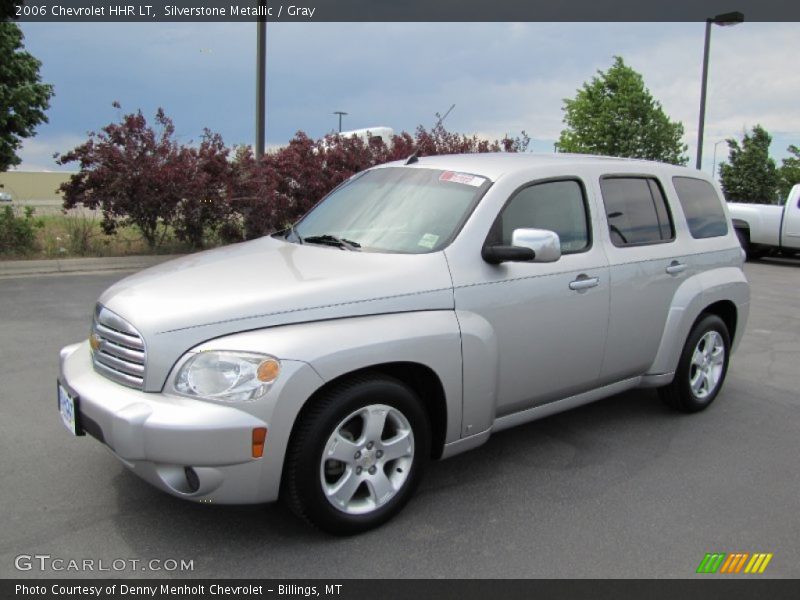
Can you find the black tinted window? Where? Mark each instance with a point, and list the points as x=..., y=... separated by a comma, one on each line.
x=636, y=211
x=555, y=205
x=702, y=207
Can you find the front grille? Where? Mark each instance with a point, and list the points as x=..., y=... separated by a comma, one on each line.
x=118, y=350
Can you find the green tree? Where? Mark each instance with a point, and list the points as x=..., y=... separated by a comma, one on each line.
x=750, y=175
x=23, y=97
x=789, y=172
x=615, y=115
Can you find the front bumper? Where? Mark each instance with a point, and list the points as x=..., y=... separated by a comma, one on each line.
x=158, y=436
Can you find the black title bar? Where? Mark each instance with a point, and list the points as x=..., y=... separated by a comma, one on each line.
x=400, y=10
x=702, y=587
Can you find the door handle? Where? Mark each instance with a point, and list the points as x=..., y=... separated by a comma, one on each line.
x=584, y=282
x=675, y=267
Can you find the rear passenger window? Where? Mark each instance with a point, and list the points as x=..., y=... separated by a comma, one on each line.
x=555, y=205
x=702, y=207
x=636, y=211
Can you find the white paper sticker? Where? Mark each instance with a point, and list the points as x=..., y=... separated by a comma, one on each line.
x=464, y=178
x=428, y=240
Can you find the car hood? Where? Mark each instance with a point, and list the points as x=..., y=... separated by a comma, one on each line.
x=268, y=282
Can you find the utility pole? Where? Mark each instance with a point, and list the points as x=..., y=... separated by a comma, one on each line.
x=261, y=80
x=341, y=113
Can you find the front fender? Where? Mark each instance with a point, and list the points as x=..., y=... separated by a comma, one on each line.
x=690, y=300
x=337, y=347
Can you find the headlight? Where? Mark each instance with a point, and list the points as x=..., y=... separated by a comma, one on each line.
x=227, y=376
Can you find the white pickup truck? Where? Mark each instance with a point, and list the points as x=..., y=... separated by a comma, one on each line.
x=765, y=228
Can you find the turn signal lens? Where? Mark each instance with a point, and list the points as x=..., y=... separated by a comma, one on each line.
x=259, y=436
x=94, y=342
x=268, y=370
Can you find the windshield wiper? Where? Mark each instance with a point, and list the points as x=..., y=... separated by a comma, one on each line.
x=332, y=240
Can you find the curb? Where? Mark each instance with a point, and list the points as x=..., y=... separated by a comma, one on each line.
x=18, y=268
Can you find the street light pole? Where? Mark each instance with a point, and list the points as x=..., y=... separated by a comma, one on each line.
x=261, y=84
x=341, y=113
x=703, y=86
x=723, y=20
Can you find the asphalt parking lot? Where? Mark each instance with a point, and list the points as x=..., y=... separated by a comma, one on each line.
x=620, y=488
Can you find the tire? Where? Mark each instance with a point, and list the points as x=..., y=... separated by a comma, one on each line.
x=751, y=251
x=744, y=242
x=357, y=454
x=701, y=368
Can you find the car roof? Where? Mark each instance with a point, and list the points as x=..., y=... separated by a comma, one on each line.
x=493, y=165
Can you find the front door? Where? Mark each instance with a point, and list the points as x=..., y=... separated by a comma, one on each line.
x=549, y=319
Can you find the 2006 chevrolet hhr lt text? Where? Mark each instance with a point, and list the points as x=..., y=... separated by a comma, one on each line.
x=418, y=308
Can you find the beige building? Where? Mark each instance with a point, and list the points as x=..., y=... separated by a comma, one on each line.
x=33, y=187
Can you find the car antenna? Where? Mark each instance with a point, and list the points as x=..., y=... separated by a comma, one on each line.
x=415, y=156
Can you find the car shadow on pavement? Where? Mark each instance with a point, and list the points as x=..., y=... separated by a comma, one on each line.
x=571, y=455
x=779, y=261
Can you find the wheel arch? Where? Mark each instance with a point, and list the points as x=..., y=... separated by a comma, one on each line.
x=723, y=292
x=725, y=310
x=741, y=224
x=421, y=378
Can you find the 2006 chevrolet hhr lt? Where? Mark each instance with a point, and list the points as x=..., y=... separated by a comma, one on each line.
x=418, y=308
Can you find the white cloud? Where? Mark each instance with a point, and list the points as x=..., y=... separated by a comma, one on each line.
x=503, y=77
x=37, y=152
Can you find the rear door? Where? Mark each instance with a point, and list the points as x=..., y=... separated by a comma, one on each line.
x=645, y=271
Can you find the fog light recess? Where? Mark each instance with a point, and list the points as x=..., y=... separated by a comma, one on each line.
x=192, y=479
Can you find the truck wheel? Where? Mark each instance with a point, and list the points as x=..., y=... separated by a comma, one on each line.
x=356, y=455
x=744, y=242
x=751, y=252
x=702, y=366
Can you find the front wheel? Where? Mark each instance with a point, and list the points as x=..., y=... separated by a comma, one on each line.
x=357, y=454
x=701, y=368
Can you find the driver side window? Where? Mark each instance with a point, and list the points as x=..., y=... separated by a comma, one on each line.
x=559, y=206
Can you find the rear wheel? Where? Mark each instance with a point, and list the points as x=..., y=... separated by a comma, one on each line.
x=357, y=455
x=702, y=366
x=752, y=252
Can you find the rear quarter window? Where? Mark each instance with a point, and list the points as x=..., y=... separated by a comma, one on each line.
x=702, y=207
x=636, y=211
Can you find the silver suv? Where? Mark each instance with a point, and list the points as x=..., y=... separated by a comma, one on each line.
x=417, y=309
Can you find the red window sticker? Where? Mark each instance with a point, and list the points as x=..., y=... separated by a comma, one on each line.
x=464, y=178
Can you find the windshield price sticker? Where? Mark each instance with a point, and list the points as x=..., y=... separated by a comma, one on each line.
x=464, y=178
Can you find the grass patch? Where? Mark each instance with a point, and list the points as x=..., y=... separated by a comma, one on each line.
x=77, y=233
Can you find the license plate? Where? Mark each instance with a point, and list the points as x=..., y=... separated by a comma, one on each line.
x=68, y=407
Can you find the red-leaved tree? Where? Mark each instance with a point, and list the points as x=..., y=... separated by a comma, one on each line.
x=282, y=186
x=137, y=174
x=132, y=172
x=206, y=202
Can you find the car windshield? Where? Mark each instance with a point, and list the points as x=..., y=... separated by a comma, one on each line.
x=394, y=209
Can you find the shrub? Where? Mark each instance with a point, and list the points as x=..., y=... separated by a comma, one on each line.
x=18, y=233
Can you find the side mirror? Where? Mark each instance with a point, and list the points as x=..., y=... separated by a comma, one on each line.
x=527, y=245
x=545, y=244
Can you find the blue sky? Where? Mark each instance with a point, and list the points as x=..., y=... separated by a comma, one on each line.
x=503, y=77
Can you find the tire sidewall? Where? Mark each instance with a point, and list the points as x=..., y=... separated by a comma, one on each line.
x=706, y=324
x=342, y=403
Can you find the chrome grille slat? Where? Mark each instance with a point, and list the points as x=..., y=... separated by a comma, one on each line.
x=120, y=353
x=123, y=339
x=120, y=365
x=129, y=380
x=123, y=352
